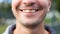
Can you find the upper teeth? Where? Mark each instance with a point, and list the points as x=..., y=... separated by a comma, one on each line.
x=29, y=10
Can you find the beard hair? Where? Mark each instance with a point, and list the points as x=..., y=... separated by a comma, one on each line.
x=34, y=24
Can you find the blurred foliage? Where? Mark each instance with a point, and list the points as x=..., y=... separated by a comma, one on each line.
x=5, y=9
x=58, y=5
x=2, y=28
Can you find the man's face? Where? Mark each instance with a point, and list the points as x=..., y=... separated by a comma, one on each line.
x=30, y=12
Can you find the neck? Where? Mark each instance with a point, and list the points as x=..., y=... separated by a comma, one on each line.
x=23, y=30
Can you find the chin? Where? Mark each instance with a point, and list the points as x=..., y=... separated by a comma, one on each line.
x=31, y=24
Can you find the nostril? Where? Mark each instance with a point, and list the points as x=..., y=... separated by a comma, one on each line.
x=32, y=3
x=24, y=3
x=29, y=4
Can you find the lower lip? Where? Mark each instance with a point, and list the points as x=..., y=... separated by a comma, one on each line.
x=30, y=14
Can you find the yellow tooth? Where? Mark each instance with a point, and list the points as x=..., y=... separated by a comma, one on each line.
x=33, y=10
x=28, y=10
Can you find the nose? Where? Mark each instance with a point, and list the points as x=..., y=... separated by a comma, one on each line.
x=28, y=2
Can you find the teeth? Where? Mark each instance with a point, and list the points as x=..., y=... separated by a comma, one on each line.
x=29, y=11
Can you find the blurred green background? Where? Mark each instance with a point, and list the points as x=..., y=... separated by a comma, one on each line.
x=7, y=18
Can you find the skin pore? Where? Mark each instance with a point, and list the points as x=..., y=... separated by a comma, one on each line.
x=30, y=16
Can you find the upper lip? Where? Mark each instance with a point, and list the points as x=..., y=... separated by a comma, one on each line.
x=28, y=8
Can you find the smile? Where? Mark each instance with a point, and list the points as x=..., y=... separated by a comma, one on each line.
x=29, y=10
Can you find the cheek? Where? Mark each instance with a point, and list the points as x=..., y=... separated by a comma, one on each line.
x=43, y=3
x=15, y=3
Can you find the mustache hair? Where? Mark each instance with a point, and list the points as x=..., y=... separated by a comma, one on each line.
x=30, y=7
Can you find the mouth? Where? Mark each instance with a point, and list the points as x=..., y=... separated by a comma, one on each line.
x=30, y=10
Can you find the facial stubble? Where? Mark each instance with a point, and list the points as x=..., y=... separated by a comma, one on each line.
x=34, y=24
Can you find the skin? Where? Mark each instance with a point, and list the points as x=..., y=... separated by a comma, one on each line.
x=27, y=21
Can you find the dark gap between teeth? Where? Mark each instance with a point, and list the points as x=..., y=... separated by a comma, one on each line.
x=21, y=10
x=37, y=9
x=29, y=9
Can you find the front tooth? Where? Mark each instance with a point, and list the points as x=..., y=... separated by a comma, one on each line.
x=33, y=10
x=28, y=10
